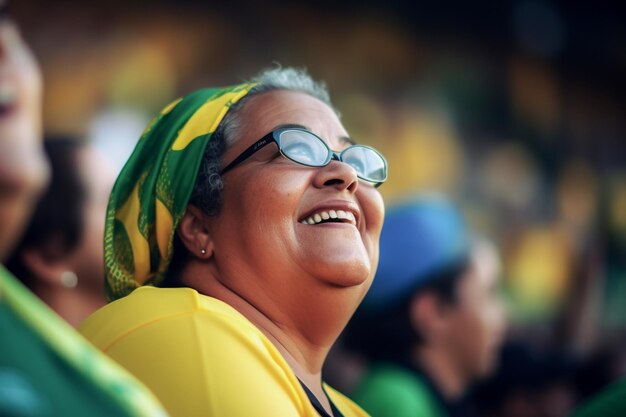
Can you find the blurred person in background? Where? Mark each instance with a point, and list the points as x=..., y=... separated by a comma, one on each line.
x=255, y=208
x=61, y=256
x=46, y=368
x=432, y=323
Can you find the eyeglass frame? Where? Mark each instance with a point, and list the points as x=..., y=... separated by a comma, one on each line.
x=274, y=137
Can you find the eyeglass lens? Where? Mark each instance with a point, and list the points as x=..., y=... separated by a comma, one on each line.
x=305, y=148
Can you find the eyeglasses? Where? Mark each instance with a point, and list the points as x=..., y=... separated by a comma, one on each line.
x=305, y=148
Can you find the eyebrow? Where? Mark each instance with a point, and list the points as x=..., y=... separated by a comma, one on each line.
x=344, y=139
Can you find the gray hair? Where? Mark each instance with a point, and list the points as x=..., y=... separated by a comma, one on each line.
x=207, y=191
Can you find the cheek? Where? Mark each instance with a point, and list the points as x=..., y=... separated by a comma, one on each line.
x=478, y=336
x=468, y=331
x=28, y=77
x=494, y=319
x=275, y=195
x=374, y=211
x=264, y=204
x=478, y=317
x=31, y=79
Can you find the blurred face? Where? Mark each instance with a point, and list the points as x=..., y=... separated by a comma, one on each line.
x=23, y=169
x=88, y=259
x=260, y=232
x=476, y=322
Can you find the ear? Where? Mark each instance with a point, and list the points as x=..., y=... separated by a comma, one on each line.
x=44, y=267
x=428, y=316
x=194, y=232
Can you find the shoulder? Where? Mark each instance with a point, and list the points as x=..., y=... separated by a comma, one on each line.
x=149, y=308
x=190, y=328
x=50, y=363
x=197, y=354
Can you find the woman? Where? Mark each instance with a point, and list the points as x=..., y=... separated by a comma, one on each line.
x=60, y=256
x=272, y=236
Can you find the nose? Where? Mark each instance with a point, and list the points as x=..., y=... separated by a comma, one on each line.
x=337, y=174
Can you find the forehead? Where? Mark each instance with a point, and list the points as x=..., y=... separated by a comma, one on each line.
x=269, y=110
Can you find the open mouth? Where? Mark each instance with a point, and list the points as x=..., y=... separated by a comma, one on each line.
x=330, y=216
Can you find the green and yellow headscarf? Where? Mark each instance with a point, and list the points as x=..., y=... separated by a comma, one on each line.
x=152, y=191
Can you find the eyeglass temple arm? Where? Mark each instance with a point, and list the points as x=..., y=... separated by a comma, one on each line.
x=265, y=140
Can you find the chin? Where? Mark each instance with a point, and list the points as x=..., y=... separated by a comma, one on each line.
x=347, y=274
x=341, y=262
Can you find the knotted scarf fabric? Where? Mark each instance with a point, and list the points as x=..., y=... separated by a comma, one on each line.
x=152, y=191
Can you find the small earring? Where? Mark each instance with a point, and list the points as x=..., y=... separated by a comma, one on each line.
x=203, y=251
x=69, y=279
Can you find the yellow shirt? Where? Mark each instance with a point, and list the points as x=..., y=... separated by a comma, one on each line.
x=201, y=357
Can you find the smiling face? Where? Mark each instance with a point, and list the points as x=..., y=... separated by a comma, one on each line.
x=20, y=108
x=264, y=230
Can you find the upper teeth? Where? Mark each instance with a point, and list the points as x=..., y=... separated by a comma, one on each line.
x=330, y=214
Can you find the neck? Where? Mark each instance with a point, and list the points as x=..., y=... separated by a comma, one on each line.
x=304, y=355
x=302, y=326
x=72, y=304
x=442, y=371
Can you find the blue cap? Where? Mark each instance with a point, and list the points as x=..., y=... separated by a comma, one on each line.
x=420, y=238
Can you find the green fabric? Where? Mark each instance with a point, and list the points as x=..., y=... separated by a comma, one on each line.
x=48, y=369
x=609, y=403
x=390, y=391
x=152, y=191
